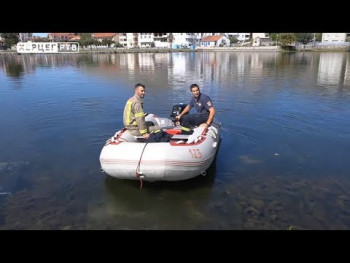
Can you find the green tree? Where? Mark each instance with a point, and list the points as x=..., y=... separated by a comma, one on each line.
x=318, y=37
x=233, y=40
x=107, y=42
x=286, y=39
x=86, y=39
x=273, y=36
x=10, y=39
x=304, y=38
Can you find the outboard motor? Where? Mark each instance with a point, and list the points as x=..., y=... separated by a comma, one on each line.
x=177, y=109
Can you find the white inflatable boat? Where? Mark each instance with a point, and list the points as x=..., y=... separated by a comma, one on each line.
x=125, y=156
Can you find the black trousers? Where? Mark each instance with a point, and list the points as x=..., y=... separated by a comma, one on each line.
x=192, y=120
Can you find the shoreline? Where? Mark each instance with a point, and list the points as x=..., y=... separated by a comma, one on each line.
x=169, y=50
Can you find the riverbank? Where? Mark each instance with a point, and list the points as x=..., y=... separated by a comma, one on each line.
x=208, y=49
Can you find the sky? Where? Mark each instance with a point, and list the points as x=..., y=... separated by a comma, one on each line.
x=40, y=34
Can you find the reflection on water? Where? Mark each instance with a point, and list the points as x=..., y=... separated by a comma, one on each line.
x=159, y=204
x=282, y=163
x=331, y=68
x=347, y=73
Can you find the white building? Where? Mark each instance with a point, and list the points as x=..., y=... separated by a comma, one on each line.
x=260, y=39
x=24, y=37
x=214, y=41
x=186, y=39
x=333, y=37
x=161, y=40
x=242, y=37
x=129, y=40
x=145, y=40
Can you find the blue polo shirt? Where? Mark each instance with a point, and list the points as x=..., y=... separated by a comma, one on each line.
x=202, y=105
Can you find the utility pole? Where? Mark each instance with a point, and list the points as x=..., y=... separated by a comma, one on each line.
x=314, y=39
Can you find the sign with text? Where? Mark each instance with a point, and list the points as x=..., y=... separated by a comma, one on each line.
x=47, y=47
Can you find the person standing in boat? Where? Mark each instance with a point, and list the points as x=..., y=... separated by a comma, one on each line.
x=134, y=117
x=204, y=107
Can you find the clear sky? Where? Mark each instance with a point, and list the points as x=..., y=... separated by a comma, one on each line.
x=40, y=34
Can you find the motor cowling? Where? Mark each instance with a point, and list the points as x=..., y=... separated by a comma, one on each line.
x=177, y=109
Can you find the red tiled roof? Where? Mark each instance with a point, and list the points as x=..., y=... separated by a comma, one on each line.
x=61, y=34
x=211, y=38
x=75, y=38
x=103, y=35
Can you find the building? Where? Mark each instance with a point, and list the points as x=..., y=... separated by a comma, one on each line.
x=61, y=37
x=333, y=38
x=24, y=37
x=214, y=41
x=108, y=36
x=261, y=39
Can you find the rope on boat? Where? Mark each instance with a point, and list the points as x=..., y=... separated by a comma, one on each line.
x=137, y=172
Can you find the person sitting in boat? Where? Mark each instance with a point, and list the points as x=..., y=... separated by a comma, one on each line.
x=134, y=117
x=204, y=107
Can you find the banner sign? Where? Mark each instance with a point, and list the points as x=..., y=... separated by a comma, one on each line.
x=47, y=47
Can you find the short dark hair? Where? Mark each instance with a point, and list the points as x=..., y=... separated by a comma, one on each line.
x=139, y=85
x=194, y=86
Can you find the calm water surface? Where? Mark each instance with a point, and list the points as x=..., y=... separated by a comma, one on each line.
x=283, y=163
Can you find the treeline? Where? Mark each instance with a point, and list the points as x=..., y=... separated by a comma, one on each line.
x=9, y=39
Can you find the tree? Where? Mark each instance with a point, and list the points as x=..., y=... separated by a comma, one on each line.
x=86, y=39
x=318, y=37
x=10, y=39
x=107, y=42
x=304, y=38
x=233, y=40
x=286, y=39
x=273, y=36
x=171, y=39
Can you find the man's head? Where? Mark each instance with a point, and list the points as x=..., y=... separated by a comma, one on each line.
x=140, y=90
x=194, y=88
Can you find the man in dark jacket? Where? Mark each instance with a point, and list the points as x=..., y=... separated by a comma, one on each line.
x=204, y=107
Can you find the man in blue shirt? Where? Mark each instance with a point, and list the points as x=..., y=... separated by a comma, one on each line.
x=204, y=107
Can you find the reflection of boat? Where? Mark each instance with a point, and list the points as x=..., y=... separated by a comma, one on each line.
x=126, y=156
x=164, y=206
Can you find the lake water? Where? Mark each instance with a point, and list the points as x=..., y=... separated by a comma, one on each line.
x=283, y=162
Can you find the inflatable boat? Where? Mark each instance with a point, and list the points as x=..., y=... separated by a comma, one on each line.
x=125, y=156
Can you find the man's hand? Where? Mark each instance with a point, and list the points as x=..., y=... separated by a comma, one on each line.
x=146, y=135
x=178, y=117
